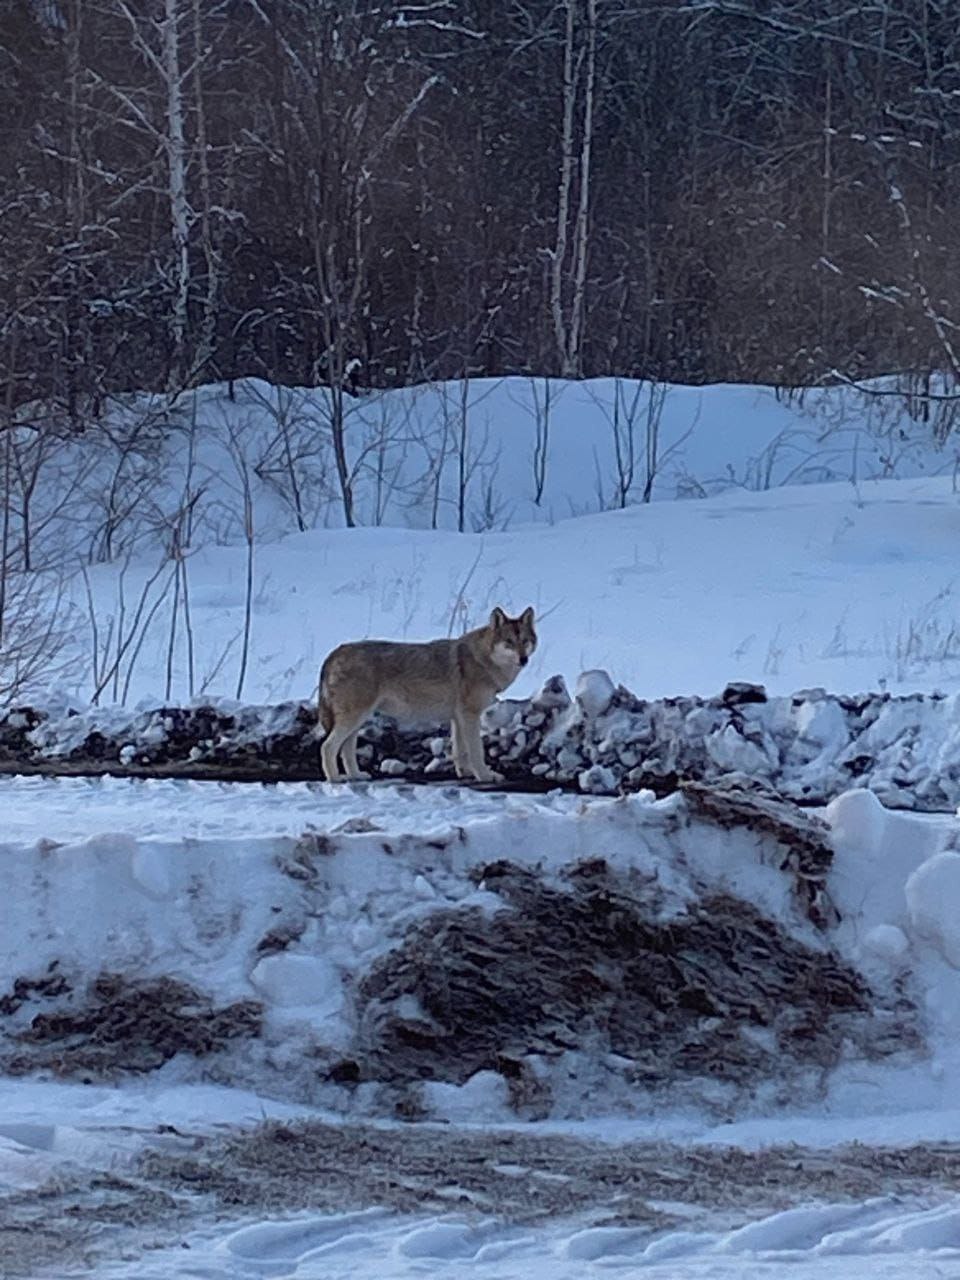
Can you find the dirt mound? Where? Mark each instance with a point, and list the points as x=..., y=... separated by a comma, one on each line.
x=804, y=838
x=720, y=992
x=125, y=1026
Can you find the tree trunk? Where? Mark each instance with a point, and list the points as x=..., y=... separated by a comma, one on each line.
x=175, y=145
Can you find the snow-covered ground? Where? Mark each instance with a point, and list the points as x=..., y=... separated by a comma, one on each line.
x=768, y=573
x=293, y=898
x=849, y=589
x=184, y=880
x=882, y=1239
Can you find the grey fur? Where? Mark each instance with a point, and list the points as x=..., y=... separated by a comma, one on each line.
x=449, y=681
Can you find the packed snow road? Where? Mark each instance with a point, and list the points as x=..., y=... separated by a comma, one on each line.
x=36, y=808
x=305, y=1199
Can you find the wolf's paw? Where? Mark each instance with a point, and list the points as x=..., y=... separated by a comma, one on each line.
x=489, y=775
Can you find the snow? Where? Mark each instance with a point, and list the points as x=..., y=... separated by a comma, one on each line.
x=801, y=562
x=843, y=579
x=710, y=439
x=594, y=692
x=484, y=1094
x=880, y=1238
x=300, y=981
x=933, y=894
x=132, y=819
x=886, y=943
x=186, y=877
x=834, y=607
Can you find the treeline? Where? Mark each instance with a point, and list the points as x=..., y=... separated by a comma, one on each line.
x=363, y=190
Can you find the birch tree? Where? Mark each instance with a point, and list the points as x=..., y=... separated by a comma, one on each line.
x=568, y=260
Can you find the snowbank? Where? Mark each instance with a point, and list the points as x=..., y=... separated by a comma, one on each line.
x=427, y=952
x=809, y=747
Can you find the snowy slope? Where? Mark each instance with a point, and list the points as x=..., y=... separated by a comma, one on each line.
x=771, y=575
x=521, y=460
x=850, y=589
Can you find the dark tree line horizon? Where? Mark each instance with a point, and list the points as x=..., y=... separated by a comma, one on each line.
x=696, y=191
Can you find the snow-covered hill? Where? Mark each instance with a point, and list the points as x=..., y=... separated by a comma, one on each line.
x=481, y=455
x=820, y=551
x=849, y=589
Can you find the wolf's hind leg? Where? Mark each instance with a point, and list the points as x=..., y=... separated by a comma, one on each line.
x=348, y=753
x=461, y=766
x=342, y=735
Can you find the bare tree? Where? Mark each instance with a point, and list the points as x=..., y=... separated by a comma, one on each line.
x=543, y=396
x=244, y=487
x=634, y=417
x=568, y=279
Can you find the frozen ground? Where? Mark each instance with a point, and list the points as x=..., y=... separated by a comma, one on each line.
x=343, y=1202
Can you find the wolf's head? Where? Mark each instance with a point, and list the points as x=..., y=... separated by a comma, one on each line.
x=513, y=640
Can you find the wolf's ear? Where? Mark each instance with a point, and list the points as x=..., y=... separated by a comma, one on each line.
x=526, y=618
x=497, y=618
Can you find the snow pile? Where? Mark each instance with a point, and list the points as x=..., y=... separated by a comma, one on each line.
x=808, y=747
x=423, y=952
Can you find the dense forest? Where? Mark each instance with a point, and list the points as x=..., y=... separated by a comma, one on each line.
x=367, y=191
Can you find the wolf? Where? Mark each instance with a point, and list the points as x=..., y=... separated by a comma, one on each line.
x=448, y=681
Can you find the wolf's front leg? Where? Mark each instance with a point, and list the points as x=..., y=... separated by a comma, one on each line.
x=469, y=733
x=461, y=763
